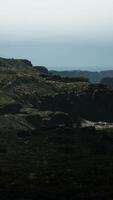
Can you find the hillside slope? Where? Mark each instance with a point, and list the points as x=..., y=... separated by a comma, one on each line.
x=26, y=93
x=44, y=151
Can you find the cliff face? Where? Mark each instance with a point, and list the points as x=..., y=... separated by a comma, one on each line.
x=96, y=105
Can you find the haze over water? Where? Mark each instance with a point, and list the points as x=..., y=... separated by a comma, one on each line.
x=60, y=34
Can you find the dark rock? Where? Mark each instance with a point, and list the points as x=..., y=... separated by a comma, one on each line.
x=23, y=134
x=10, y=108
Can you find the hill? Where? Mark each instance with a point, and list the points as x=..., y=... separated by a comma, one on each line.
x=26, y=91
x=48, y=148
x=107, y=81
x=94, y=77
x=24, y=87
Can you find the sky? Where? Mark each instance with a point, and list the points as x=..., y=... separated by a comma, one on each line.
x=59, y=34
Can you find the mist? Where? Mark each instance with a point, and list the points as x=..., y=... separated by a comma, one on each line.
x=58, y=34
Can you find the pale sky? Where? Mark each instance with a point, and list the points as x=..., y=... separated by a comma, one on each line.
x=58, y=33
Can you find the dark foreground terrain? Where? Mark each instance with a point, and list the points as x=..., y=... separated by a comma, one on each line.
x=57, y=164
x=46, y=149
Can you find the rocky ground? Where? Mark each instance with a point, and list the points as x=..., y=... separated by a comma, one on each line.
x=97, y=125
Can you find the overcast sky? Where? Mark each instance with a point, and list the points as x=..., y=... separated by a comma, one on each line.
x=58, y=33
